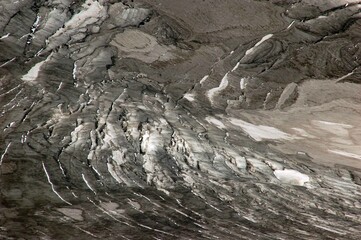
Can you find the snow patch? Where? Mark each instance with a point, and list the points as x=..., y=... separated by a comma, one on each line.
x=87, y=183
x=3, y=155
x=151, y=142
x=336, y=124
x=345, y=76
x=59, y=87
x=290, y=24
x=235, y=67
x=113, y=173
x=93, y=10
x=204, y=79
x=243, y=83
x=5, y=36
x=346, y=154
x=249, y=51
x=36, y=24
x=303, y=133
x=222, y=86
x=52, y=185
x=6, y=63
x=34, y=71
x=189, y=97
x=260, y=132
x=215, y=122
x=291, y=176
x=74, y=71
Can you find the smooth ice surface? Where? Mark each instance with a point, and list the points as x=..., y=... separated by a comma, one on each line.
x=33, y=72
x=261, y=132
x=291, y=176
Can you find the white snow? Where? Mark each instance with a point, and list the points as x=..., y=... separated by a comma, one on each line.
x=291, y=176
x=3, y=155
x=96, y=171
x=38, y=53
x=152, y=141
x=74, y=71
x=11, y=90
x=260, y=132
x=118, y=156
x=345, y=76
x=87, y=183
x=249, y=51
x=74, y=134
x=34, y=71
x=23, y=138
x=5, y=36
x=91, y=13
x=52, y=185
x=113, y=173
x=235, y=67
x=60, y=85
x=336, y=124
x=215, y=122
x=36, y=24
x=222, y=86
x=189, y=97
x=204, y=79
x=24, y=36
x=243, y=83
x=93, y=10
x=330, y=229
x=346, y=154
x=6, y=63
x=290, y=24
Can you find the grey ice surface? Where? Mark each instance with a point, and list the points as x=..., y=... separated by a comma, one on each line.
x=180, y=119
